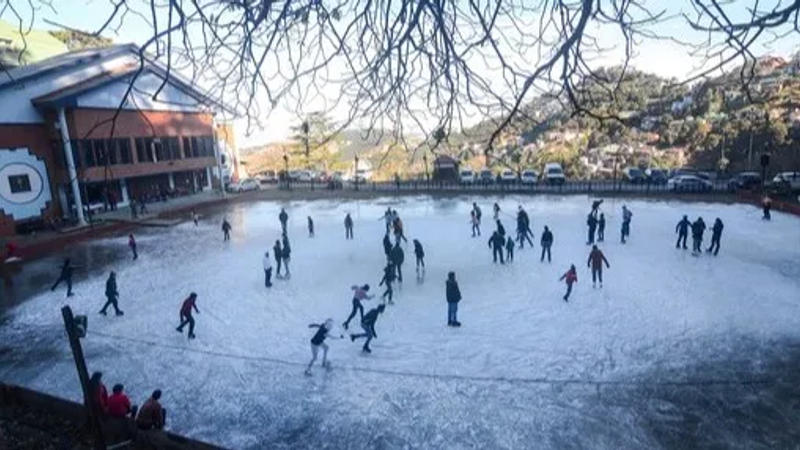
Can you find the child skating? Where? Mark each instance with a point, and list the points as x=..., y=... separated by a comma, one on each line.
x=318, y=341
x=570, y=277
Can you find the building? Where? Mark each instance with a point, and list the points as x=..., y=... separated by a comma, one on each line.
x=69, y=144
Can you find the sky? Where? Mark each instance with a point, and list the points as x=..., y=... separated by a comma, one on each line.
x=660, y=57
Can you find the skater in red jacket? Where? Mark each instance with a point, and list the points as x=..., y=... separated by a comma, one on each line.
x=595, y=261
x=186, y=314
x=571, y=277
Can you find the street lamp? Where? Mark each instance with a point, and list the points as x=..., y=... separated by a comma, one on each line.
x=355, y=172
x=286, y=169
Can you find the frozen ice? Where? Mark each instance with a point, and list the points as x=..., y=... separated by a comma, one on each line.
x=674, y=350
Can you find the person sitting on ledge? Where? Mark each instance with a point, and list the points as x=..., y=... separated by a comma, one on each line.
x=119, y=405
x=152, y=416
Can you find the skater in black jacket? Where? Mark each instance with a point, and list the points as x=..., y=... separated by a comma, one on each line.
x=716, y=234
x=387, y=246
x=65, y=276
x=286, y=255
x=318, y=341
x=277, y=252
x=348, y=227
x=476, y=223
x=453, y=296
x=626, y=223
x=283, y=217
x=601, y=228
x=388, y=279
x=547, y=242
x=591, y=222
x=397, y=257
x=368, y=325
x=226, y=230
x=310, y=227
x=111, y=295
x=496, y=243
x=501, y=230
x=477, y=210
x=419, y=253
x=698, y=228
x=682, y=228
x=510, y=249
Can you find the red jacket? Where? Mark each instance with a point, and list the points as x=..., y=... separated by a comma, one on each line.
x=570, y=276
x=101, y=397
x=596, y=259
x=187, y=306
x=118, y=405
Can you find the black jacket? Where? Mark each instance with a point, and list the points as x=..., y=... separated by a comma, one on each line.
x=547, y=238
x=683, y=226
x=283, y=217
x=370, y=318
x=717, y=228
x=698, y=227
x=111, y=287
x=453, y=292
x=387, y=245
x=277, y=252
x=418, y=251
x=497, y=241
x=397, y=255
x=388, y=275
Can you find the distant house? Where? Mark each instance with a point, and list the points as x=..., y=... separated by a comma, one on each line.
x=445, y=168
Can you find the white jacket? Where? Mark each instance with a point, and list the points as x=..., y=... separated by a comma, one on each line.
x=267, y=261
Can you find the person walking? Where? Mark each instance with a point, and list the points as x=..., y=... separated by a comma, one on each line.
x=286, y=255
x=348, y=226
x=476, y=223
x=310, y=227
x=496, y=243
x=716, y=234
x=546, y=242
x=626, y=223
x=419, y=253
x=195, y=218
x=510, y=249
x=67, y=270
x=397, y=257
x=368, y=325
x=698, y=228
x=267, y=263
x=186, y=314
x=682, y=228
x=359, y=295
x=570, y=277
x=595, y=261
x=132, y=245
x=496, y=209
x=591, y=222
x=318, y=341
x=277, y=253
x=524, y=232
x=453, y=296
x=226, y=230
x=388, y=279
x=601, y=228
x=111, y=295
x=477, y=210
x=766, y=207
x=283, y=218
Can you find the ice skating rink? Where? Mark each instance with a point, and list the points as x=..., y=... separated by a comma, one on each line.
x=673, y=351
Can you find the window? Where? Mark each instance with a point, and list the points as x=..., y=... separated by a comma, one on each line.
x=100, y=151
x=173, y=150
x=124, y=146
x=88, y=152
x=144, y=149
x=195, y=147
x=19, y=183
x=187, y=148
x=160, y=150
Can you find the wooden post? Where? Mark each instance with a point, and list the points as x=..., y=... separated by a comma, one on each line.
x=83, y=376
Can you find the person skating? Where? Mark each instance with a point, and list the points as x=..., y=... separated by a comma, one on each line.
x=267, y=263
x=132, y=245
x=682, y=228
x=277, y=251
x=766, y=206
x=66, y=276
x=388, y=218
x=453, y=296
x=501, y=229
x=626, y=223
x=523, y=228
x=388, y=279
x=398, y=229
x=570, y=277
x=510, y=249
x=387, y=245
x=195, y=218
x=496, y=209
x=476, y=223
x=716, y=234
x=547, y=242
x=595, y=206
x=186, y=314
x=286, y=256
x=359, y=295
x=283, y=218
x=226, y=230
x=310, y=227
x=595, y=261
x=601, y=228
x=368, y=325
x=419, y=253
x=318, y=341
x=348, y=226
x=477, y=210
x=111, y=295
x=698, y=228
x=496, y=243
x=591, y=222
x=397, y=257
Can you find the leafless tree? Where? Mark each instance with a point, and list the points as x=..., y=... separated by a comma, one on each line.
x=427, y=67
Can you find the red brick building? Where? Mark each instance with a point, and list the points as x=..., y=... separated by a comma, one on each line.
x=67, y=134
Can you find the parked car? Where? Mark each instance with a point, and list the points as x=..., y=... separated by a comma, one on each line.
x=554, y=174
x=304, y=175
x=689, y=183
x=294, y=175
x=529, y=177
x=486, y=176
x=790, y=179
x=248, y=184
x=508, y=176
x=634, y=175
x=656, y=176
x=466, y=176
x=744, y=180
x=268, y=176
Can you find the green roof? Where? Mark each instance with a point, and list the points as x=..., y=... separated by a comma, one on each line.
x=38, y=45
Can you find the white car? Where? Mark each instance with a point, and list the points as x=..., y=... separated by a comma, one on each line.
x=249, y=184
x=508, y=176
x=554, y=174
x=305, y=175
x=688, y=183
x=529, y=177
x=792, y=179
x=268, y=176
x=466, y=176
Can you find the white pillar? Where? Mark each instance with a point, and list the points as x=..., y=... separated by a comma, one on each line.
x=208, y=178
x=73, y=174
x=171, y=179
x=123, y=187
x=194, y=180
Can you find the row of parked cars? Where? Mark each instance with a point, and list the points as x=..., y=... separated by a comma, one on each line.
x=553, y=174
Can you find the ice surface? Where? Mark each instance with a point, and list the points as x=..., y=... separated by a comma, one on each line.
x=675, y=350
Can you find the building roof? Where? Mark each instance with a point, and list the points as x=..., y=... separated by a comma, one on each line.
x=27, y=46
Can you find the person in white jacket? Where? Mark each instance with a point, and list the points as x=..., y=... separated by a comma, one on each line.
x=267, y=270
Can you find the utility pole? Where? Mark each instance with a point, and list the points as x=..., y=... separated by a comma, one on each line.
x=74, y=334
